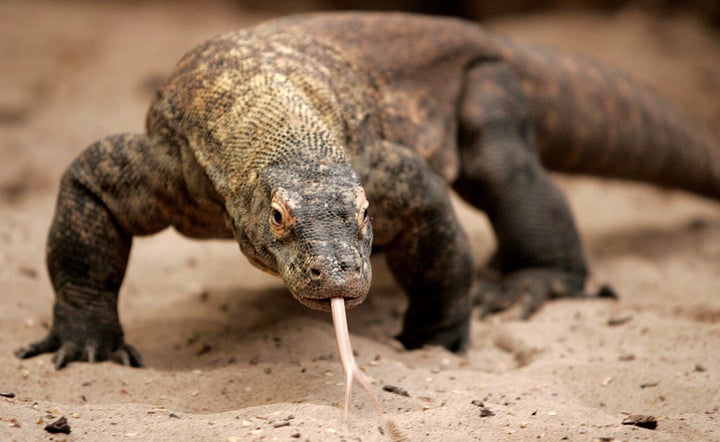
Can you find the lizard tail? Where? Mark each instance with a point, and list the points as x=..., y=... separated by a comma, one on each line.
x=595, y=120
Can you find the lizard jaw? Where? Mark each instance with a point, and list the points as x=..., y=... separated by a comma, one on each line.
x=324, y=304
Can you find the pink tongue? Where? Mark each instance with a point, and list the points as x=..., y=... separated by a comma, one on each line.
x=352, y=371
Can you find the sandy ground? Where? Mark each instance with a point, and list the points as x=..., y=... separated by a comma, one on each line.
x=229, y=354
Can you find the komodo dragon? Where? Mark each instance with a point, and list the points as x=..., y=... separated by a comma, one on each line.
x=293, y=136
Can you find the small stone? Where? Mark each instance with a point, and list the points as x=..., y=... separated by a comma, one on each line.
x=59, y=426
x=641, y=420
x=613, y=322
x=396, y=390
x=486, y=412
x=28, y=272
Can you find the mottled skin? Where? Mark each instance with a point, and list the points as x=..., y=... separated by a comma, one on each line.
x=279, y=135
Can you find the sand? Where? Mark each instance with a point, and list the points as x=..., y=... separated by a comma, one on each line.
x=231, y=356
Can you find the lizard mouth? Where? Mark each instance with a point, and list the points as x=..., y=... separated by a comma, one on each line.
x=323, y=304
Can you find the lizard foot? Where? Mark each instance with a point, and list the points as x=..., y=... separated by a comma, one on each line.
x=77, y=349
x=454, y=338
x=532, y=287
x=84, y=334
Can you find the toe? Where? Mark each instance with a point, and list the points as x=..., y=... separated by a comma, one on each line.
x=91, y=352
x=128, y=356
x=68, y=352
x=47, y=345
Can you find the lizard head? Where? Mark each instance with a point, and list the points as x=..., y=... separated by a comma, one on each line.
x=310, y=225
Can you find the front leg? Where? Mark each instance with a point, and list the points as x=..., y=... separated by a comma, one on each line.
x=106, y=196
x=426, y=248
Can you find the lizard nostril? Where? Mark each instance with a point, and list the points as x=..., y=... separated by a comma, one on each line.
x=315, y=273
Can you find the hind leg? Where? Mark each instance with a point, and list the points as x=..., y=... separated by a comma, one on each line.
x=539, y=253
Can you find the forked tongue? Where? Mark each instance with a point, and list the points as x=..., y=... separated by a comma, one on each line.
x=352, y=371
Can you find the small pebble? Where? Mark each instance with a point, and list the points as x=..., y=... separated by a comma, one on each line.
x=642, y=421
x=486, y=412
x=28, y=272
x=59, y=426
x=396, y=390
x=613, y=322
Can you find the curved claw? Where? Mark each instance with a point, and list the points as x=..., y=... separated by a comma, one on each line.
x=495, y=299
x=533, y=299
x=68, y=352
x=128, y=356
x=47, y=345
x=91, y=351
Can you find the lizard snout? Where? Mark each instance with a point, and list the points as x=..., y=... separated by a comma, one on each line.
x=344, y=275
x=349, y=268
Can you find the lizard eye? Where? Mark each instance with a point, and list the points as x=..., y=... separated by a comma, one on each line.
x=279, y=219
x=276, y=217
x=363, y=219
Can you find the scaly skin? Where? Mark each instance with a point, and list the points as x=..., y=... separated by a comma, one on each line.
x=281, y=136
